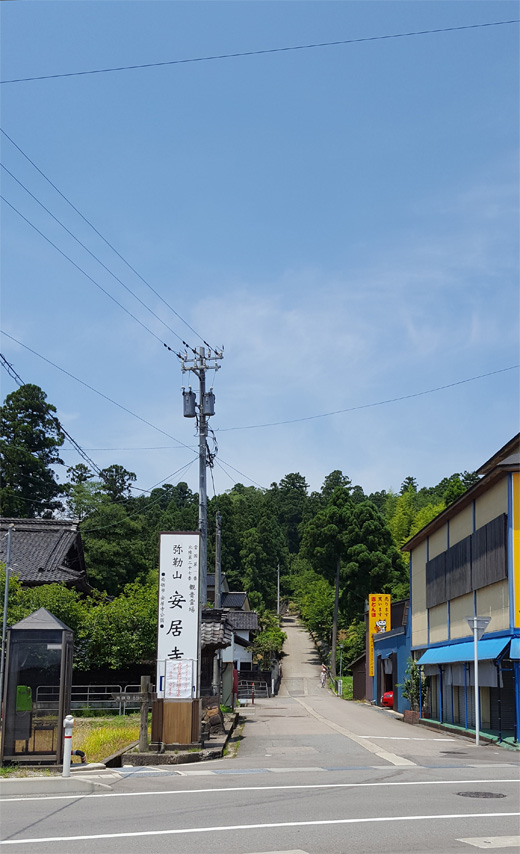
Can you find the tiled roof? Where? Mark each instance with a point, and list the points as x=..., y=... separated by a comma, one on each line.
x=211, y=578
x=215, y=630
x=234, y=599
x=44, y=551
x=243, y=620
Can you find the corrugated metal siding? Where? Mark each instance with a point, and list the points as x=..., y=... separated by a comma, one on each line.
x=458, y=569
x=436, y=581
x=475, y=562
x=490, y=561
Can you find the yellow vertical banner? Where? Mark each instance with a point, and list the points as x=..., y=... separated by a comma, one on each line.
x=379, y=620
x=516, y=548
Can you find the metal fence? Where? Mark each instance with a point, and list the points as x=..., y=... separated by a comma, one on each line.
x=245, y=689
x=91, y=697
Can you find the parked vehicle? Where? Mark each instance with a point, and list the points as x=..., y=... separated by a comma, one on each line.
x=387, y=700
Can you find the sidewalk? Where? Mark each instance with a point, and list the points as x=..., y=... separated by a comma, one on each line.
x=81, y=780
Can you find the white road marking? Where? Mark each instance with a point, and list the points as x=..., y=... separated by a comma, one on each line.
x=404, y=738
x=241, y=827
x=493, y=841
x=260, y=789
x=491, y=765
x=309, y=768
x=373, y=748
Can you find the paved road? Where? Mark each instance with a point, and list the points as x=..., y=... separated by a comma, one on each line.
x=314, y=775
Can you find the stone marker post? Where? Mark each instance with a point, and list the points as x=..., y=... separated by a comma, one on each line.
x=143, y=725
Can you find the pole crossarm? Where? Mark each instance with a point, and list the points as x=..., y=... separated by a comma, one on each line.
x=204, y=360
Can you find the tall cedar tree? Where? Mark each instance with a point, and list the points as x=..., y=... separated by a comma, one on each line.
x=29, y=440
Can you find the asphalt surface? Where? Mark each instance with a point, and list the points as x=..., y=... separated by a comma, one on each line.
x=313, y=774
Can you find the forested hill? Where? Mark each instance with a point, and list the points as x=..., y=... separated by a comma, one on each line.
x=304, y=532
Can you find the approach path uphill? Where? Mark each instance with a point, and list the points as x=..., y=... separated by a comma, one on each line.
x=313, y=774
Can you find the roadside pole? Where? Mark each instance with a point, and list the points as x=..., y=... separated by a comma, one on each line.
x=143, y=723
x=278, y=590
x=478, y=626
x=335, y=623
x=10, y=529
x=68, y=723
x=201, y=362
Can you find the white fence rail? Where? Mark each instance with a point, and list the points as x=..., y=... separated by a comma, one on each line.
x=92, y=697
x=245, y=689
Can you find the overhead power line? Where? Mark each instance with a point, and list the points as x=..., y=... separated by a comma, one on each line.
x=80, y=243
x=104, y=239
x=368, y=405
x=151, y=448
x=96, y=391
x=89, y=277
x=241, y=473
x=12, y=373
x=239, y=54
x=184, y=469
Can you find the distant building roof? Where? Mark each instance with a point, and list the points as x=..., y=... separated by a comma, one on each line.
x=508, y=456
x=235, y=599
x=243, y=620
x=45, y=551
x=215, y=629
x=211, y=580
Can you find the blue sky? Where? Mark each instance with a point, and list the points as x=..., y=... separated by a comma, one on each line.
x=344, y=220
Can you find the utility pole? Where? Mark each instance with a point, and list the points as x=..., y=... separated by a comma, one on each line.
x=10, y=529
x=202, y=361
x=218, y=566
x=335, y=622
x=218, y=598
x=278, y=590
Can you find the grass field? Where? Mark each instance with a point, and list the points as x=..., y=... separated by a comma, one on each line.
x=100, y=737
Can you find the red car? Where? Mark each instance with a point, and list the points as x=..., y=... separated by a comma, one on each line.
x=387, y=700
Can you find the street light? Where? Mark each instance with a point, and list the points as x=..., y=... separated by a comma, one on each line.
x=478, y=626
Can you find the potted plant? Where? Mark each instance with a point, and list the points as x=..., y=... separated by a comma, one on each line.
x=412, y=687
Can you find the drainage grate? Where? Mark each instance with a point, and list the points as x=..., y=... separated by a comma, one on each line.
x=453, y=753
x=481, y=795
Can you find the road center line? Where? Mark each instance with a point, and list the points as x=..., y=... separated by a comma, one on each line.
x=398, y=783
x=241, y=827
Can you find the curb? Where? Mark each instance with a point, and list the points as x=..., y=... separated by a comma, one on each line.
x=49, y=786
x=181, y=758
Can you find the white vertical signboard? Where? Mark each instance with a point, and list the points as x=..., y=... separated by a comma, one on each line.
x=178, y=626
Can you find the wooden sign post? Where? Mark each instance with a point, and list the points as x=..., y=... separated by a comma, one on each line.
x=144, y=698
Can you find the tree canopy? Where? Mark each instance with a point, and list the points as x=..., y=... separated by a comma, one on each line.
x=30, y=436
x=309, y=536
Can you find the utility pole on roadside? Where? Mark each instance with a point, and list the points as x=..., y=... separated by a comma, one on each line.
x=278, y=589
x=10, y=529
x=218, y=599
x=218, y=562
x=202, y=361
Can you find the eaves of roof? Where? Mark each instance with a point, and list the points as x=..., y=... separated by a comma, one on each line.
x=454, y=509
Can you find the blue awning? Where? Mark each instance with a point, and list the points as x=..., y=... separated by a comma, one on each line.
x=488, y=648
x=515, y=648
